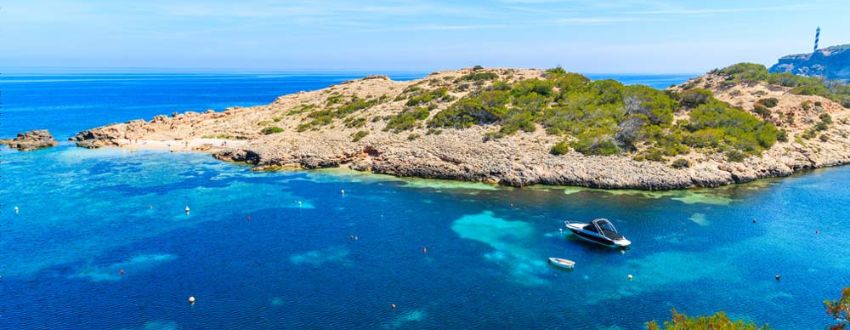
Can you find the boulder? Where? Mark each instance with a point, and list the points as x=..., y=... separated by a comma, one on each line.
x=31, y=140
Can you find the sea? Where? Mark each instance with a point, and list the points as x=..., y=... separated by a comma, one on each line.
x=100, y=239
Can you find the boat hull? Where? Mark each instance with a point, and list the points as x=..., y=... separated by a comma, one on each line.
x=577, y=230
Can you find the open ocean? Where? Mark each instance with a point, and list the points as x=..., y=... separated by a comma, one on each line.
x=275, y=250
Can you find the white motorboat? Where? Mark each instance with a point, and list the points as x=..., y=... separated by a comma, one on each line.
x=599, y=231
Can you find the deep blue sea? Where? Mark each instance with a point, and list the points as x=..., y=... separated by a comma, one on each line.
x=101, y=239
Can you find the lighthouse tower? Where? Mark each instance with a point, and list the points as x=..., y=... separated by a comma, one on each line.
x=817, y=38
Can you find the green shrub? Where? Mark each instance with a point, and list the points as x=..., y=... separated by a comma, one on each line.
x=412, y=137
x=745, y=72
x=737, y=128
x=718, y=321
x=560, y=148
x=357, y=136
x=653, y=154
x=271, y=130
x=769, y=102
x=823, y=138
x=681, y=163
x=761, y=110
x=479, y=76
x=485, y=107
x=694, y=97
x=354, y=122
x=735, y=156
x=428, y=96
x=782, y=136
x=406, y=120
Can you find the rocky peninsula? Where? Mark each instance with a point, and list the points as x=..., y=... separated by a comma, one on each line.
x=31, y=140
x=831, y=63
x=521, y=127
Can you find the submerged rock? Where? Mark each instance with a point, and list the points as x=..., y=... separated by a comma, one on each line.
x=31, y=140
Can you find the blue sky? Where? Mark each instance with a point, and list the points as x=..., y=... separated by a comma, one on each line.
x=588, y=36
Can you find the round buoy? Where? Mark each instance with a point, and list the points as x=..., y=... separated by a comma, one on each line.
x=342, y=191
x=754, y=220
x=192, y=300
x=778, y=277
x=121, y=272
x=424, y=250
x=631, y=277
x=393, y=306
x=17, y=210
x=187, y=209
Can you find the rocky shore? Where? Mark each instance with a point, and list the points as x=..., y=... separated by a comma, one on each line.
x=283, y=135
x=31, y=140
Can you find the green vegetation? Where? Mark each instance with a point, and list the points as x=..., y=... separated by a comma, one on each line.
x=324, y=117
x=407, y=119
x=271, y=130
x=425, y=97
x=839, y=310
x=479, y=76
x=822, y=125
x=560, y=148
x=606, y=117
x=718, y=321
x=745, y=73
x=680, y=163
x=801, y=85
x=358, y=135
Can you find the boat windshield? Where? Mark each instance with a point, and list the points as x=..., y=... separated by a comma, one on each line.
x=607, y=228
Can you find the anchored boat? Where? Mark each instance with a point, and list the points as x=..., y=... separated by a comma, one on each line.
x=562, y=263
x=599, y=231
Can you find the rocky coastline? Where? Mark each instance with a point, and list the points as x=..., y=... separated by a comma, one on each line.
x=31, y=140
x=243, y=134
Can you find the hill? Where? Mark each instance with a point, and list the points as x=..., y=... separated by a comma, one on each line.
x=524, y=126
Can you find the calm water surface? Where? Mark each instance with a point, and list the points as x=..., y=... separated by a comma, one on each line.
x=275, y=250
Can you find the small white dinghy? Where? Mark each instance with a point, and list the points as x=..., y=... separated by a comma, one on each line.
x=562, y=263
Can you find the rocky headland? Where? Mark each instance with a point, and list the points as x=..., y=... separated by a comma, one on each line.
x=521, y=127
x=31, y=140
x=831, y=63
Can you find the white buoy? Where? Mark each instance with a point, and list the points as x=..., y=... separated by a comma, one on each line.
x=342, y=192
x=187, y=209
x=192, y=300
x=630, y=277
x=17, y=210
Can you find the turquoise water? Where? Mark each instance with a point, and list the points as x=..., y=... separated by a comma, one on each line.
x=276, y=250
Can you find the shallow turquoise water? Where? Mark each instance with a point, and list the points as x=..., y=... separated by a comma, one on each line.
x=275, y=250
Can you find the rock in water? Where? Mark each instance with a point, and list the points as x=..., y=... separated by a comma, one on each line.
x=31, y=140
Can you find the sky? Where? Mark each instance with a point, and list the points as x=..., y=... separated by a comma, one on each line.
x=589, y=36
